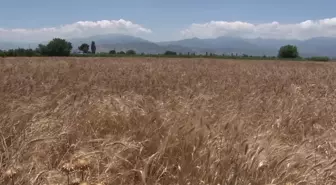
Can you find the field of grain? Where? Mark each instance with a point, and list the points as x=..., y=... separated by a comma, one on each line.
x=166, y=121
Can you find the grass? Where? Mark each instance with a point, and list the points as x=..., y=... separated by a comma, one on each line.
x=166, y=121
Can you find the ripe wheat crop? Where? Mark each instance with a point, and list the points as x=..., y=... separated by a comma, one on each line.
x=166, y=121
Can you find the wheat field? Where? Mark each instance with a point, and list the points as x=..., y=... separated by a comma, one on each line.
x=152, y=121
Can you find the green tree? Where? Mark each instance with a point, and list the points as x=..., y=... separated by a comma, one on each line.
x=130, y=52
x=288, y=51
x=113, y=52
x=2, y=53
x=42, y=50
x=121, y=53
x=170, y=53
x=29, y=52
x=84, y=48
x=11, y=53
x=93, y=47
x=58, y=47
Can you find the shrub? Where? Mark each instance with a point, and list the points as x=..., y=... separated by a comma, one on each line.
x=319, y=58
x=170, y=53
x=2, y=53
x=42, y=50
x=130, y=52
x=112, y=52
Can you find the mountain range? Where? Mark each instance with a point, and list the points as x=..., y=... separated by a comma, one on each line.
x=319, y=46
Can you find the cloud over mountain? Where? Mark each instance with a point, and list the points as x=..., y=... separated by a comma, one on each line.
x=77, y=29
x=275, y=30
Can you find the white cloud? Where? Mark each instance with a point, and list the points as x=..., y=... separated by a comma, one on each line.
x=303, y=30
x=78, y=29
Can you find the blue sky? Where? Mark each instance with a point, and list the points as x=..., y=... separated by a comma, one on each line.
x=167, y=20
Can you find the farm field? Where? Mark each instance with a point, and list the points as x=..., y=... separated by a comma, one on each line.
x=166, y=121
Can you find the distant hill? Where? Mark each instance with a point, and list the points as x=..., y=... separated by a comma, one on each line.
x=109, y=39
x=14, y=45
x=321, y=46
x=139, y=47
x=258, y=46
x=220, y=45
x=120, y=42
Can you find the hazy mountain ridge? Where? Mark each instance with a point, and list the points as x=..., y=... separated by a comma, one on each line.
x=320, y=46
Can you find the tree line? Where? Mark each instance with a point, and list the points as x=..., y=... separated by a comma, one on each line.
x=61, y=47
x=56, y=47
